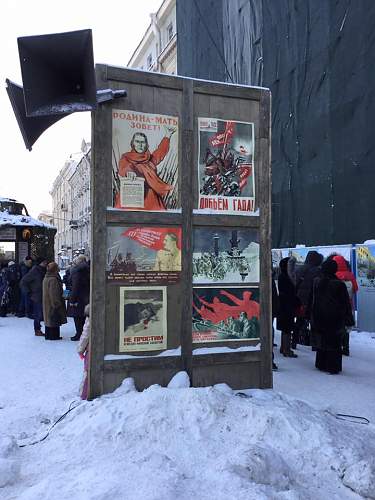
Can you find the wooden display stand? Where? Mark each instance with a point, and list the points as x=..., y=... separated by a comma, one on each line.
x=186, y=99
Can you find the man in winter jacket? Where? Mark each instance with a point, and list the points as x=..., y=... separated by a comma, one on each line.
x=13, y=278
x=345, y=275
x=80, y=293
x=25, y=305
x=4, y=289
x=288, y=302
x=32, y=282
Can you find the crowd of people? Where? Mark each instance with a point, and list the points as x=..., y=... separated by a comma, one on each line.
x=313, y=305
x=34, y=289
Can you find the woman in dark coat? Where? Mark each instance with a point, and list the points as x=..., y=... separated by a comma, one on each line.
x=331, y=312
x=305, y=276
x=288, y=303
x=54, y=312
x=80, y=293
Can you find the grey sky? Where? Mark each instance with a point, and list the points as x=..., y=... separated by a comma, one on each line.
x=117, y=29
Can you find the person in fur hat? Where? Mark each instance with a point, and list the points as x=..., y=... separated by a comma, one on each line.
x=331, y=313
x=54, y=311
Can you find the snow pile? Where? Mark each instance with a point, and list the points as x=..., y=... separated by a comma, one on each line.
x=207, y=443
x=179, y=381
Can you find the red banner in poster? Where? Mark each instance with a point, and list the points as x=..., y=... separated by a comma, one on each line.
x=153, y=237
x=224, y=137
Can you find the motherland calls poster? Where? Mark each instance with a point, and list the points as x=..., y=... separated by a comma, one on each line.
x=144, y=161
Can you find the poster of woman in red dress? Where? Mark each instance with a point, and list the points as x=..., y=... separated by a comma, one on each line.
x=144, y=161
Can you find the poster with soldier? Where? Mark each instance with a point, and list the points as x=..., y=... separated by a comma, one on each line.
x=144, y=255
x=225, y=314
x=143, y=319
x=225, y=255
x=226, y=167
x=144, y=161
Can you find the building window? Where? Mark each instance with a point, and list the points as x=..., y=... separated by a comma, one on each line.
x=149, y=61
x=170, y=31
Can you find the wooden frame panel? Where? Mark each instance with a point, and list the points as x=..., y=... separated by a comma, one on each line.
x=188, y=99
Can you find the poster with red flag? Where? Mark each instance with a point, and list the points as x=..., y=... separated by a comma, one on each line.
x=226, y=167
x=225, y=314
x=144, y=255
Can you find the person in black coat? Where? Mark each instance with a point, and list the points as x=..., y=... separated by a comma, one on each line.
x=305, y=276
x=25, y=305
x=288, y=303
x=79, y=295
x=13, y=278
x=4, y=289
x=331, y=312
x=32, y=283
x=67, y=280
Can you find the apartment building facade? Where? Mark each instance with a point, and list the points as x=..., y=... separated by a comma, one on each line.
x=157, y=51
x=71, y=206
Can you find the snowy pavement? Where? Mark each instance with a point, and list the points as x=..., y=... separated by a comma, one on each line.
x=351, y=392
x=38, y=377
x=180, y=443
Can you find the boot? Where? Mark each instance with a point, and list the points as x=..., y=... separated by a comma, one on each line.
x=290, y=354
x=39, y=333
x=345, y=342
x=76, y=337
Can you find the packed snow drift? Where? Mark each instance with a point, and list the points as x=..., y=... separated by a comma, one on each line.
x=185, y=443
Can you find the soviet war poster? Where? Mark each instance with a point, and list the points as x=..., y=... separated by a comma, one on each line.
x=225, y=314
x=366, y=266
x=143, y=319
x=226, y=167
x=144, y=161
x=144, y=255
x=366, y=282
x=225, y=255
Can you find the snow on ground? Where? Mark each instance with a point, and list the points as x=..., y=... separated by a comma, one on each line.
x=352, y=391
x=38, y=377
x=178, y=442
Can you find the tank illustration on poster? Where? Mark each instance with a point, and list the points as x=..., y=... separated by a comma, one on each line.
x=144, y=255
x=225, y=255
x=144, y=161
x=226, y=166
x=143, y=319
x=225, y=314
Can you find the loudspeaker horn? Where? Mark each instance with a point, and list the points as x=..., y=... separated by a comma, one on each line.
x=31, y=127
x=58, y=73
